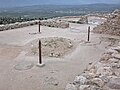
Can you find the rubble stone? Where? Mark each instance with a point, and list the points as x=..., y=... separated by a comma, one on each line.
x=105, y=58
x=105, y=79
x=104, y=71
x=111, y=51
x=97, y=81
x=80, y=80
x=114, y=83
x=111, y=26
x=103, y=75
x=84, y=87
x=117, y=56
x=70, y=87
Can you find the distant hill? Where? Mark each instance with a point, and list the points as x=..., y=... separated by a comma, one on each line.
x=57, y=10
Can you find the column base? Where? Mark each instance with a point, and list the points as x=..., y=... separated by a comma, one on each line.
x=40, y=65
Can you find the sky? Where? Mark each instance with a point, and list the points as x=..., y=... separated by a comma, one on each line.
x=14, y=3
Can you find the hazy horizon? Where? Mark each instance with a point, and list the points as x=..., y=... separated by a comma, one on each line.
x=20, y=3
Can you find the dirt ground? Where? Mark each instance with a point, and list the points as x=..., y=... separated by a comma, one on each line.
x=18, y=71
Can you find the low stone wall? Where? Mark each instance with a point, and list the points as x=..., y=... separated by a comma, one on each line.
x=55, y=23
x=81, y=19
x=101, y=75
x=49, y=23
x=17, y=25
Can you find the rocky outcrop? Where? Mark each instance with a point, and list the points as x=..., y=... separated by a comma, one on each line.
x=102, y=75
x=111, y=26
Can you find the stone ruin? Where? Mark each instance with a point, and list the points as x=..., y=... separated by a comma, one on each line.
x=82, y=20
x=111, y=26
x=101, y=75
x=17, y=25
x=55, y=23
x=49, y=23
x=51, y=47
